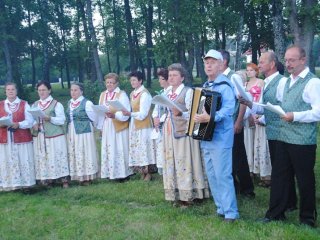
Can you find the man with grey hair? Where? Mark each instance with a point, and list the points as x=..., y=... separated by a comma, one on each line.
x=217, y=153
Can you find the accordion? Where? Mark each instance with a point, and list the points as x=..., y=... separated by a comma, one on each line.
x=211, y=101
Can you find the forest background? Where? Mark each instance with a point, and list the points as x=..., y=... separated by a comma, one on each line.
x=85, y=39
x=81, y=40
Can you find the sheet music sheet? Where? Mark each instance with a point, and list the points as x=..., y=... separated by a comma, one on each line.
x=165, y=101
x=273, y=108
x=117, y=105
x=100, y=109
x=6, y=121
x=36, y=113
x=240, y=88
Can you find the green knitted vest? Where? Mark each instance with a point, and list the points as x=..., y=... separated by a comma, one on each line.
x=80, y=119
x=51, y=130
x=296, y=132
x=272, y=119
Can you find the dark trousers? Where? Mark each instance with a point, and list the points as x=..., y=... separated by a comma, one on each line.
x=299, y=160
x=292, y=199
x=240, y=169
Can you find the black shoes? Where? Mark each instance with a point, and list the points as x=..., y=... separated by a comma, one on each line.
x=268, y=220
x=291, y=209
x=250, y=195
x=308, y=222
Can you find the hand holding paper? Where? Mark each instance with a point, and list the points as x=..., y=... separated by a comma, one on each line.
x=6, y=121
x=36, y=113
x=273, y=108
x=239, y=87
x=117, y=105
x=165, y=101
x=100, y=109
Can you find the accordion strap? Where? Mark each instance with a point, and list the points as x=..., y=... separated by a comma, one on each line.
x=222, y=83
x=213, y=113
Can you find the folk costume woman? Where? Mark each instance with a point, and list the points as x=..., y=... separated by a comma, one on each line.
x=16, y=158
x=159, y=115
x=141, y=148
x=115, y=132
x=82, y=150
x=183, y=173
x=261, y=164
x=49, y=141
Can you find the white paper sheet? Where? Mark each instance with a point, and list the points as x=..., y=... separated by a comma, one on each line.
x=36, y=113
x=100, y=109
x=165, y=101
x=273, y=108
x=117, y=105
x=239, y=87
x=6, y=121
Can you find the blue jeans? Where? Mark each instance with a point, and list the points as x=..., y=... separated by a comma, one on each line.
x=218, y=162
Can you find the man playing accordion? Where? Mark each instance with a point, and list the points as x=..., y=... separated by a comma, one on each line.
x=217, y=153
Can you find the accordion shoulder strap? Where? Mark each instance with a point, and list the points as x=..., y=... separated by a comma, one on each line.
x=221, y=83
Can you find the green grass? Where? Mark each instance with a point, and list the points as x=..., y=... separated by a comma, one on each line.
x=135, y=210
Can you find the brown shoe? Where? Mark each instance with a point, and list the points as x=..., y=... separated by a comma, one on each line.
x=147, y=177
x=85, y=183
x=264, y=183
x=143, y=175
x=185, y=204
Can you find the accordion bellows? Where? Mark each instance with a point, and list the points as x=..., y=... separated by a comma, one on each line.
x=210, y=101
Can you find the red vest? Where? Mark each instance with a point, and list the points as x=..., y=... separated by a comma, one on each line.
x=20, y=135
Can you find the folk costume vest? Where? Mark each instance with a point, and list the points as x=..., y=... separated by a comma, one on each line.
x=51, y=130
x=297, y=132
x=118, y=125
x=80, y=119
x=135, y=104
x=272, y=119
x=19, y=135
x=179, y=123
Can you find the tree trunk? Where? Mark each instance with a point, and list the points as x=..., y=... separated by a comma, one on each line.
x=223, y=28
x=79, y=49
x=89, y=63
x=308, y=31
x=129, y=27
x=239, y=48
x=149, y=26
x=304, y=32
x=255, y=44
x=7, y=57
x=94, y=42
x=33, y=82
x=138, y=54
x=116, y=35
x=191, y=56
x=60, y=11
x=43, y=4
x=198, y=56
x=278, y=30
x=107, y=50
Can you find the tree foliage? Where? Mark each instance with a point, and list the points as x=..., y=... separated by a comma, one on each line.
x=84, y=39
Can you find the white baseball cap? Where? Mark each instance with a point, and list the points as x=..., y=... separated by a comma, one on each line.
x=213, y=54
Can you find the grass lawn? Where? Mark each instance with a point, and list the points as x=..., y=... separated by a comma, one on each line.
x=135, y=210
